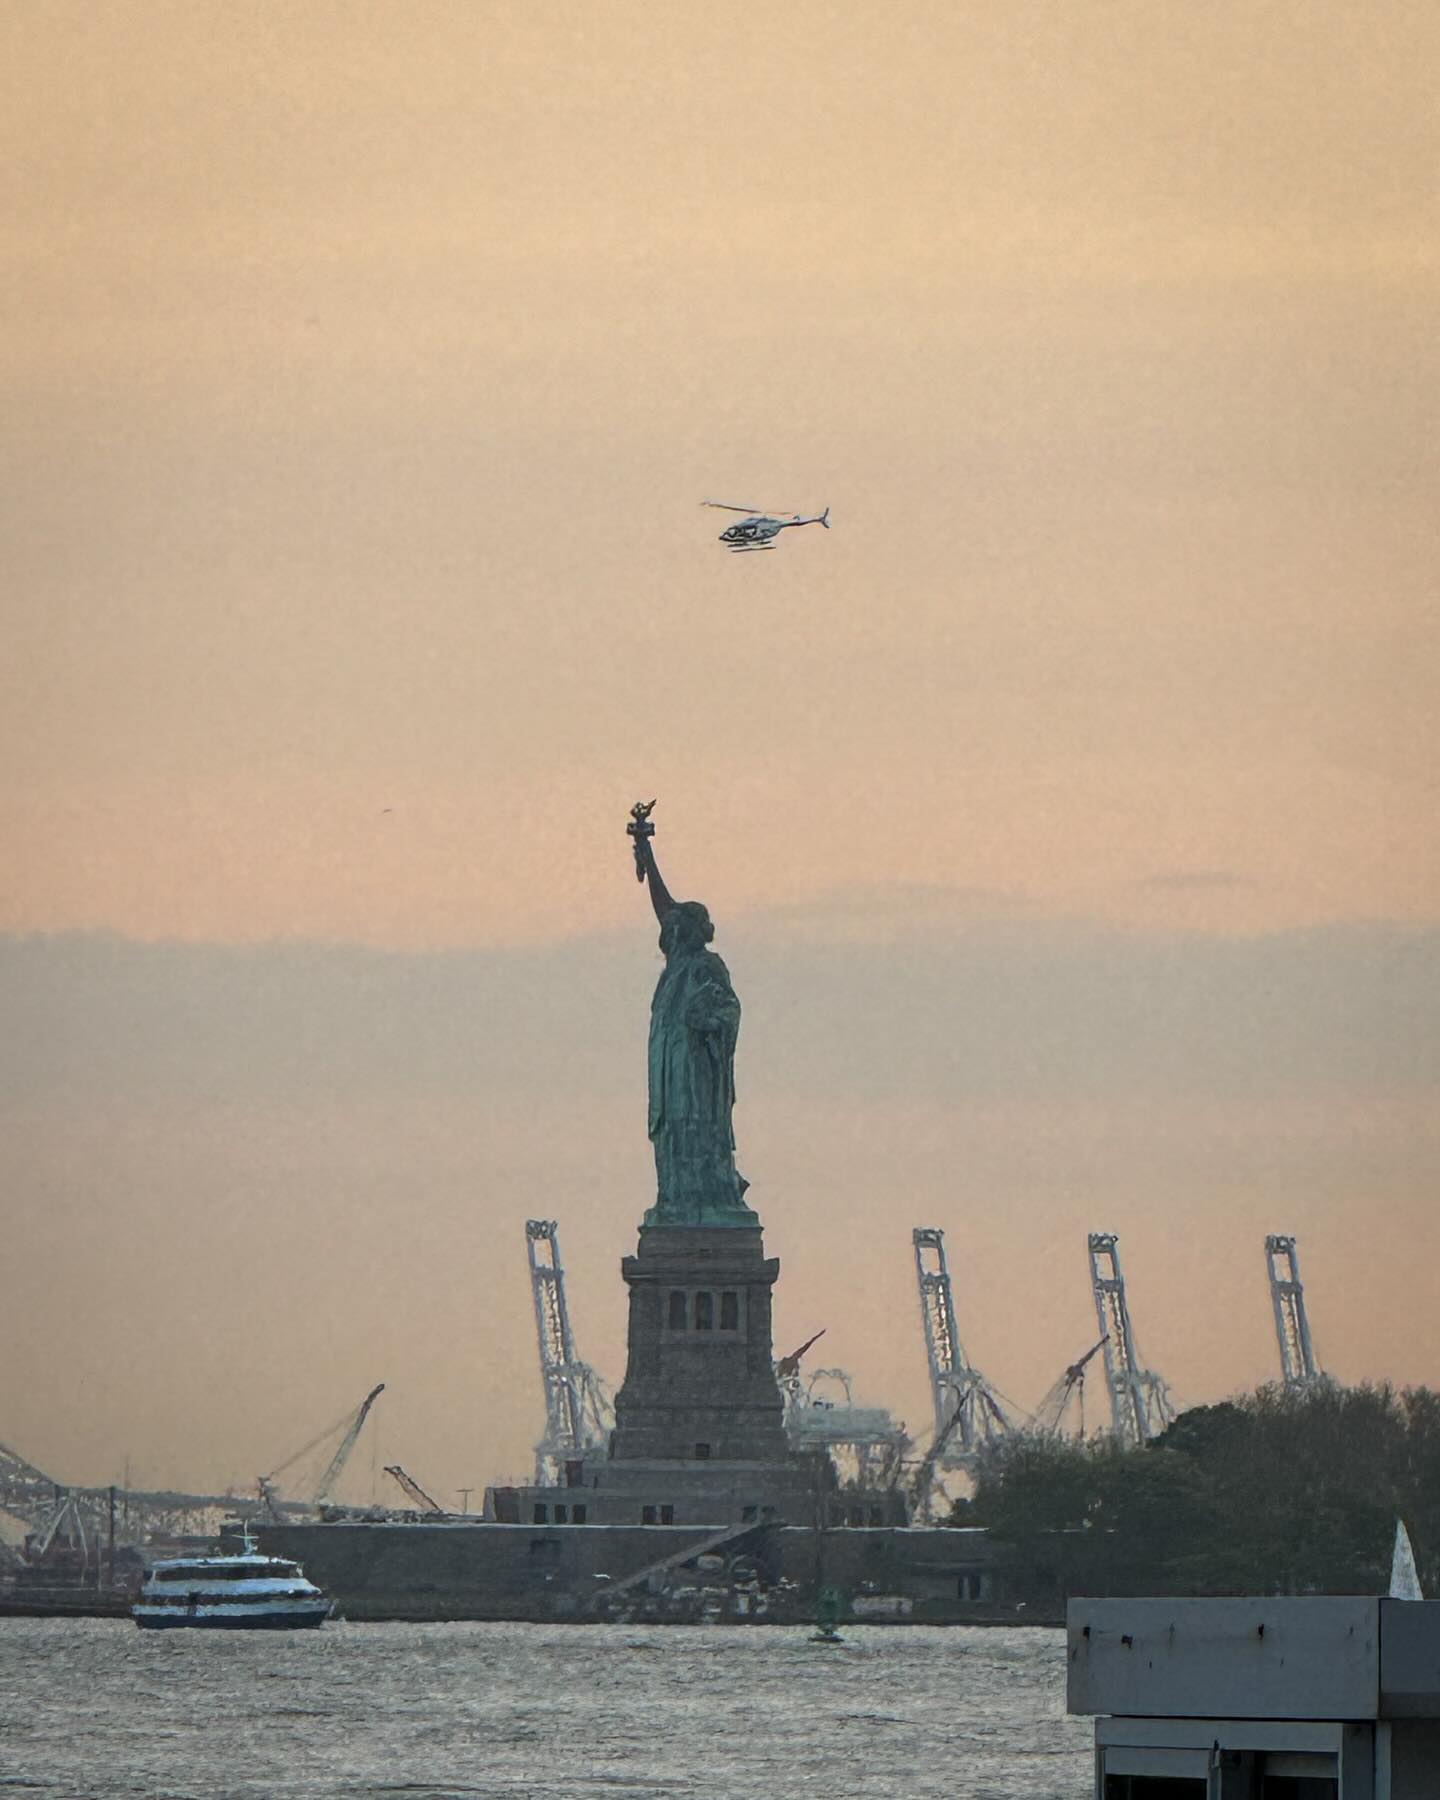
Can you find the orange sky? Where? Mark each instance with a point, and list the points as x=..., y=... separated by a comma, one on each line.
x=365, y=366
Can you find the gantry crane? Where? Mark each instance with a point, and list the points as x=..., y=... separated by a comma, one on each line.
x=578, y=1414
x=968, y=1411
x=1139, y=1400
x=1292, y=1327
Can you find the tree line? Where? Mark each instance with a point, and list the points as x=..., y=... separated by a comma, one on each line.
x=1273, y=1492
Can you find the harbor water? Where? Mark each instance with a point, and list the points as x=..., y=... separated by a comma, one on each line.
x=95, y=1710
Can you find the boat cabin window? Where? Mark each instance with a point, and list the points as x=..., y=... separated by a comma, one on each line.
x=205, y=1574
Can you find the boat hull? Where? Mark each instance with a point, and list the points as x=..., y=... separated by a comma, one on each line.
x=252, y=1621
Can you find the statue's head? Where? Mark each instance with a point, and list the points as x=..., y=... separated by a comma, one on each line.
x=686, y=927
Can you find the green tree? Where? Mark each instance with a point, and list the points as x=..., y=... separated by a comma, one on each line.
x=1271, y=1492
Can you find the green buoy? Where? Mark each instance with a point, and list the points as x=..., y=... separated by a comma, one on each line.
x=829, y=1606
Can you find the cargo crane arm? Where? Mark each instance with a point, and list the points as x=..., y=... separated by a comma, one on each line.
x=918, y=1493
x=788, y=1367
x=413, y=1489
x=1051, y=1409
x=346, y=1445
x=351, y=1424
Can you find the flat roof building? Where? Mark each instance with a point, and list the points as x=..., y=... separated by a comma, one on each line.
x=1323, y=1698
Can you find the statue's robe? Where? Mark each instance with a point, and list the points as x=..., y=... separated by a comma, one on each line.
x=694, y=1024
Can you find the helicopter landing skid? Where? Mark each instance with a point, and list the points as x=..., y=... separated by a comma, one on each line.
x=744, y=549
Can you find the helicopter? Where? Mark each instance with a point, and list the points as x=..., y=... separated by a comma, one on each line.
x=757, y=530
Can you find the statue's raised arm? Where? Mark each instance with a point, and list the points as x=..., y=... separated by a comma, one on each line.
x=640, y=832
x=694, y=1022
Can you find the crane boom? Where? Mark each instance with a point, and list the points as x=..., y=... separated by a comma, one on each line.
x=918, y=1495
x=413, y=1488
x=1051, y=1410
x=788, y=1367
x=346, y=1445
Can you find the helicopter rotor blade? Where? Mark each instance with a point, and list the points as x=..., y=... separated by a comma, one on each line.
x=727, y=508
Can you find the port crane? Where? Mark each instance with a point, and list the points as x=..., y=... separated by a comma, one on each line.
x=413, y=1489
x=863, y=1442
x=349, y=1427
x=969, y=1413
x=578, y=1414
x=1050, y=1413
x=1298, y=1369
x=787, y=1368
x=920, y=1490
x=1140, y=1404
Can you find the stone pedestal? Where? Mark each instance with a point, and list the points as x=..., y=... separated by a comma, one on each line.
x=699, y=1383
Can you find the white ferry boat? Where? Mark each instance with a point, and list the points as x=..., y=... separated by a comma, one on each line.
x=248, y=1592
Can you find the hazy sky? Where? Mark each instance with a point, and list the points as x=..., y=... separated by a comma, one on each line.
x=1067, y=810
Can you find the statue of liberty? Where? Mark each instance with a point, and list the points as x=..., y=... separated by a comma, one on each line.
x=694, y=1022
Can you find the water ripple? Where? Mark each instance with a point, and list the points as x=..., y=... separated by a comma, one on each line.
x=94, y=1710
